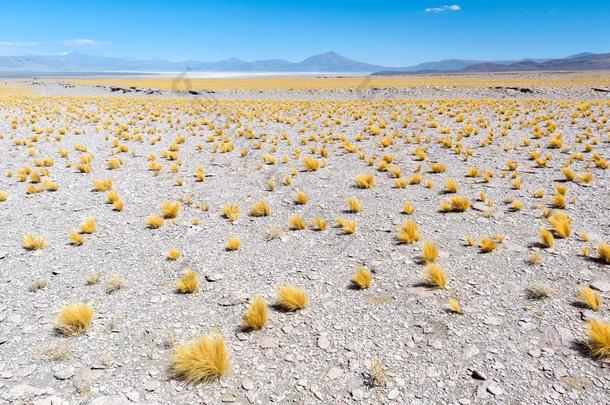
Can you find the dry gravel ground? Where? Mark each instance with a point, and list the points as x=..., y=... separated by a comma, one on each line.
x=505, y=347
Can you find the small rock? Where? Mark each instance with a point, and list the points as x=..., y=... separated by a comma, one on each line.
x=494, y=389
x=269, y=343
x=357, y=394
x=432, y=372
x=64, y=373
x=600, y=285
x=133, y=396
x=247, y=384
x=393, y=394
x=478, y=375
x=334, y=372
x=214, y=277
x=492, y=320
x=323, y=343
x=435, y=343
x=151, y=385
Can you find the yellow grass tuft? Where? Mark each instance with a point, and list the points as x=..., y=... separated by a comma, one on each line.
x=200, y=174
x=231, y=212
x=170, y=209
x=591, y=299
x=188, y=283
x=487, y=245
x=516, y=205
x=260, y=209
x=114, y=284
x=310, y=164
x=599, y=338
x=319, y=224
x=455, y=306
x=429, y=252
x=255, y=317
x=233, y=243
x=408, y=233
x=438, y=167
x=363, y=278
x=76, y=238
x=451, y=186
x=88, y=226
x=435, y=276
x=201, y=360
x=354, y=205
x=75, y=319
x=558, y=201
x=112, y=196
x=102, y=185
x=297, y=222
x=366, y=180
x=568, y=173
x=460, y=203
x=3, y=196
x=561, y=223
x=291, y=298
x=114, y=163
x=407, y=208
x=174, y=254
x=301, y=198
x=154, y=221
x=603, y=250
x=349, y=227
x=547, y=238
x=33, y=242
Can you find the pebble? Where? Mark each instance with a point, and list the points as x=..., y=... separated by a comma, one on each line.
x=64, y=373
x=151, y=385
x=323, y=342
x=269, y=343
x=494, y=389
x=492, y=320
x=334, y=372
x=247, y=384
x=393, y=394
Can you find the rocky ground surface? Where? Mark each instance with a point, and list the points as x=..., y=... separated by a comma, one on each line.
x=505, y=348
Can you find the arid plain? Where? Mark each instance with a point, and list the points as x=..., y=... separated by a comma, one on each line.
x=423, y=239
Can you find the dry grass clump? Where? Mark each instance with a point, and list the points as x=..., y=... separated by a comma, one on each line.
x=408, y=233
x=188, y=283
x=561, y=223
x=319, y=224
x=291, y=298
x=114, y=284
x=451, y=186
x=603, y=251
x=354, y=205
x=260, y=209
x=366, y=180
x=599, y=338
x=38, y=284
x=76, y=238
x=255, y=317
x=438, y=167
x=33, y=242
x=591, y=299
x=301, y=198
x=88, y=226
x=3, y=196
x=201, y=360
x=429, y=252
x=455, y=306
x=546, y=237
x=231, y=212
x=349, y=227
x=170, y=209
x=174, y=254
x=296, y=222
x=233, y=243
x=75, y=319
x=154, y=221
x=378, y=374
x=435, y=276
x=363, y=278
x=407, y=208
x=93, y=278
x=456, y=204
x=534, y=258
x=539, y=291
x=102, y=185
x=310, y=164
x=487, y=245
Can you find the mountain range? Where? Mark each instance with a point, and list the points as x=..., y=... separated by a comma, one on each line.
x=330, y=62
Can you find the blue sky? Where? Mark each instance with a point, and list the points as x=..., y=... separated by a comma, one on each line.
x=391, y=33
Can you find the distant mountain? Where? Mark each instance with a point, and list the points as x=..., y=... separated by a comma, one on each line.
x=581, y=61
x=78, y=62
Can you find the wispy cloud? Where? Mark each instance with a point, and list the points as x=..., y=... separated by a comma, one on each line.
x=442, y=9
x=82, y=42
x=18, y=43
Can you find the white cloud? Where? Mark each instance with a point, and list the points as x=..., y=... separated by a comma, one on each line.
x=18, y=44
x=442, y=9
x=82, y=42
